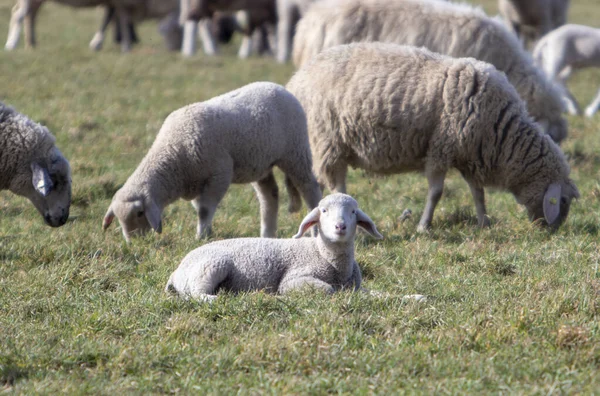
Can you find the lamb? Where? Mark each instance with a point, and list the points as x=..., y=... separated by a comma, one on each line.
x=288, y=14
x=390, y=109
x=451, y=29
x=566, y=49
x=280, y=265
x=202, y=148
x=33, y=167
x=532, y=19
x=126, y=10
x=196, y=14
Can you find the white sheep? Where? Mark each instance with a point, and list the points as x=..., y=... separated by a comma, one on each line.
x=127, y=12
x=202, y=148
x=456, y=30
x=390, y=109
x=33, y=167
x=532, y=19
x=566, y=49
x=279, y=265
x=288, y=13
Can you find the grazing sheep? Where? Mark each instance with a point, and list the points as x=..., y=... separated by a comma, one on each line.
x=202, y=148
x=32, y=166
x=280, y=265
x=532, y=19
x=566, y=49
x=390, y=109
x=127, y=11
x=196, y=18
x=166, y=11
x=288, y=14
x=455, y=30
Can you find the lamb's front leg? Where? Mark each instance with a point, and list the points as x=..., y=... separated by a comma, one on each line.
x=479, y=197
x=208, y=42
x=594, y=106
x=16, y=23
x=268, y=197
x=436, y=189
x=296, y=283
x=98, y=39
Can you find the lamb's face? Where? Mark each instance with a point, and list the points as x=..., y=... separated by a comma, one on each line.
x=136, y=215
x=50, y=189
x=551, y=205
x=337, y=217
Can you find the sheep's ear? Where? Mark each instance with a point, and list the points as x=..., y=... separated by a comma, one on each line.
x=552, y=202
x=153, y=215
x=310, y=220
x=108, y=218
x=41, y=179
x=365, y=222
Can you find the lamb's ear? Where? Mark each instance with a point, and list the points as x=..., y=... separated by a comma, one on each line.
x=310, y=220
x=365, y=222
x=41, y=179
x=574, y=190
x=153, y=215
x=108, y=218
x=551, y=203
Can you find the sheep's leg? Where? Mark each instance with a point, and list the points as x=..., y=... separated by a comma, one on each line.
x=336, y=177
x=208, y=41
x=30, y=40
x=284, y=30
x=203, y=288
x=302, y=282
x=246, y=47
x=206, y=203
x=594, y=106
x=268, y=197
x=19, y=11
x=570, y=102
x=294, y=196
x=436, y=188
x=304, y=181
x=98, y=39
x=190, y=30
x=479, y=198
x=124, y=19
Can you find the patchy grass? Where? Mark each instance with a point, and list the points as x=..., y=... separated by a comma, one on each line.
x=511, y=309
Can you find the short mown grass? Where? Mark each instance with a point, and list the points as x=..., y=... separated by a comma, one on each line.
x=511, y=309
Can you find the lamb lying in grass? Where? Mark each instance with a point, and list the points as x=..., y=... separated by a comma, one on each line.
x=280, y=265
x=566, y=49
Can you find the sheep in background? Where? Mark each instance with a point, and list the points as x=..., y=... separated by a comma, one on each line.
x=390, y=109
x=456, y=30
x=288, y=14
x=532, y=19
x=280, y=265
x=566, y=49
x=33, y=167
x=202, y=148
x=127, y=11
x=196, y=18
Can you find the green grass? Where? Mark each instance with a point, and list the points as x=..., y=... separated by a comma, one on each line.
x=512, y=309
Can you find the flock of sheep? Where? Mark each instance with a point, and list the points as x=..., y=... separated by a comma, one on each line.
x=388, y=86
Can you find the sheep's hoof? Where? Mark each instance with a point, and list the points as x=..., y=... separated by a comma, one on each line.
x=589, y=112
x=485, y=223
x=96, y=43
x=423, y=228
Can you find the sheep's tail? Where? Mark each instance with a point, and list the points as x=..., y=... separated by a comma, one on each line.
x=294, y=195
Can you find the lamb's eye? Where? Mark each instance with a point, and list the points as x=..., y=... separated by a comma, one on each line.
x=323, y=210
x=140, y=214
x=353, y=211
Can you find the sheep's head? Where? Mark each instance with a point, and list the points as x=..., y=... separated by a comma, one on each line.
x=550, y=204
x=137, y=215
x=337, y=217
x=50, y=188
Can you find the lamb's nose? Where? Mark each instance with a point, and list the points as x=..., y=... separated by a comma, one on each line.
x=340, y=226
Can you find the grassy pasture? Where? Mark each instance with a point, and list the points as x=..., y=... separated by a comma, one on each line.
x=513, y=309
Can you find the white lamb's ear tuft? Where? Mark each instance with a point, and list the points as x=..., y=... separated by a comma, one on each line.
x=153, y=215
x=41, y=179
x=551, y=203
x=108, y=218
x=311, y=219
x=365, y=222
